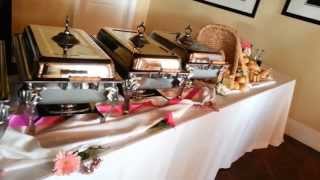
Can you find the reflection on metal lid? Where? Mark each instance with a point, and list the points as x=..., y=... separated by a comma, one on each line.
x=61, y=70
x=206, y=58
x=124, y=36
x=157, y=64
x=86, y=49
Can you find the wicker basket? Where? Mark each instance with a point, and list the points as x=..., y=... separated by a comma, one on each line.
x=223, y=38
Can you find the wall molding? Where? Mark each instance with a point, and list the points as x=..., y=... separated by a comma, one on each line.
x=304, y=134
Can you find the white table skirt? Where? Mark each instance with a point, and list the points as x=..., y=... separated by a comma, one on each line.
x=201, y=144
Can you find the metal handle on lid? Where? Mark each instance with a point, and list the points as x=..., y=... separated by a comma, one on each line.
x=65, y=39
x=141, y=28
x=188, y=31
x=139, y=40
x=186, y=39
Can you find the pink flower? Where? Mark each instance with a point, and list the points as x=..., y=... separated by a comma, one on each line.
x=245, y=44
x=169, y=120
x=66, y=163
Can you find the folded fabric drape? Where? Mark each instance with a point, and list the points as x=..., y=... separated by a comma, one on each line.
x=77, y=132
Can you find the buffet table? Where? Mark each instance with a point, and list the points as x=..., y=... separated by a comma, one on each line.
x=202, y=142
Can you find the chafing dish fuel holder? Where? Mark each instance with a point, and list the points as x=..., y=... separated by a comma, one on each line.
x=139, y=57
x=201, y=61
x=64, y=67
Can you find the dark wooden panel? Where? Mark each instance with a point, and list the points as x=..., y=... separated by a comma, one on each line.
x=5, y=29
x=5, y=19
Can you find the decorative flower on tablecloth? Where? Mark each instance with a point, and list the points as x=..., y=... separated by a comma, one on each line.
x=66, y=163
x=90, y=166
x=84, y=160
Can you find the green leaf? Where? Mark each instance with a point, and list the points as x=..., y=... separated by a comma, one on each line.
x=84, y=155
x=161, y=125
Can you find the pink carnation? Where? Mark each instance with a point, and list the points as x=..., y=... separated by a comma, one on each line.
x=66, y=163
x=246, y=44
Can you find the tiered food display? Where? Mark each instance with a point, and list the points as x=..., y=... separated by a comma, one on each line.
x=249, y=71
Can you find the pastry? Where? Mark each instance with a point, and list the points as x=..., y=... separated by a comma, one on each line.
x=236, y=86
x=265, y=73
x=244, y=87
x=241, y=80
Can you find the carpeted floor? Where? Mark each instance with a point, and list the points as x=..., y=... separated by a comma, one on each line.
x=290, y=161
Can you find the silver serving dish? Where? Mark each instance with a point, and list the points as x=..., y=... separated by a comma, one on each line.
x=63, y=66
x=45, y=59
x=201, y=61
x=139, y=57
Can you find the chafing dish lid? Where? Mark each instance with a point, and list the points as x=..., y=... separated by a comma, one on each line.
x=150, y=48
x=194, y=46
x=86, y=49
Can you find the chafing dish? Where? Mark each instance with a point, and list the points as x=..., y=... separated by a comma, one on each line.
x=63, y=69
x=139, y=57
x=201, y=61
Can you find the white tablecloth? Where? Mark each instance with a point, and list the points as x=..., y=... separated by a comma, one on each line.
x=201, y=144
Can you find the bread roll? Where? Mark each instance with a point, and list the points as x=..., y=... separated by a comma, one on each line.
x=241, y=80
x=236, y=86
x=244, y=87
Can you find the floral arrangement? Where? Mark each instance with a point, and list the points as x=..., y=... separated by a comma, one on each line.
x=246, y=47
x=84, y=161
x=87, y=160
x=66, y=163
